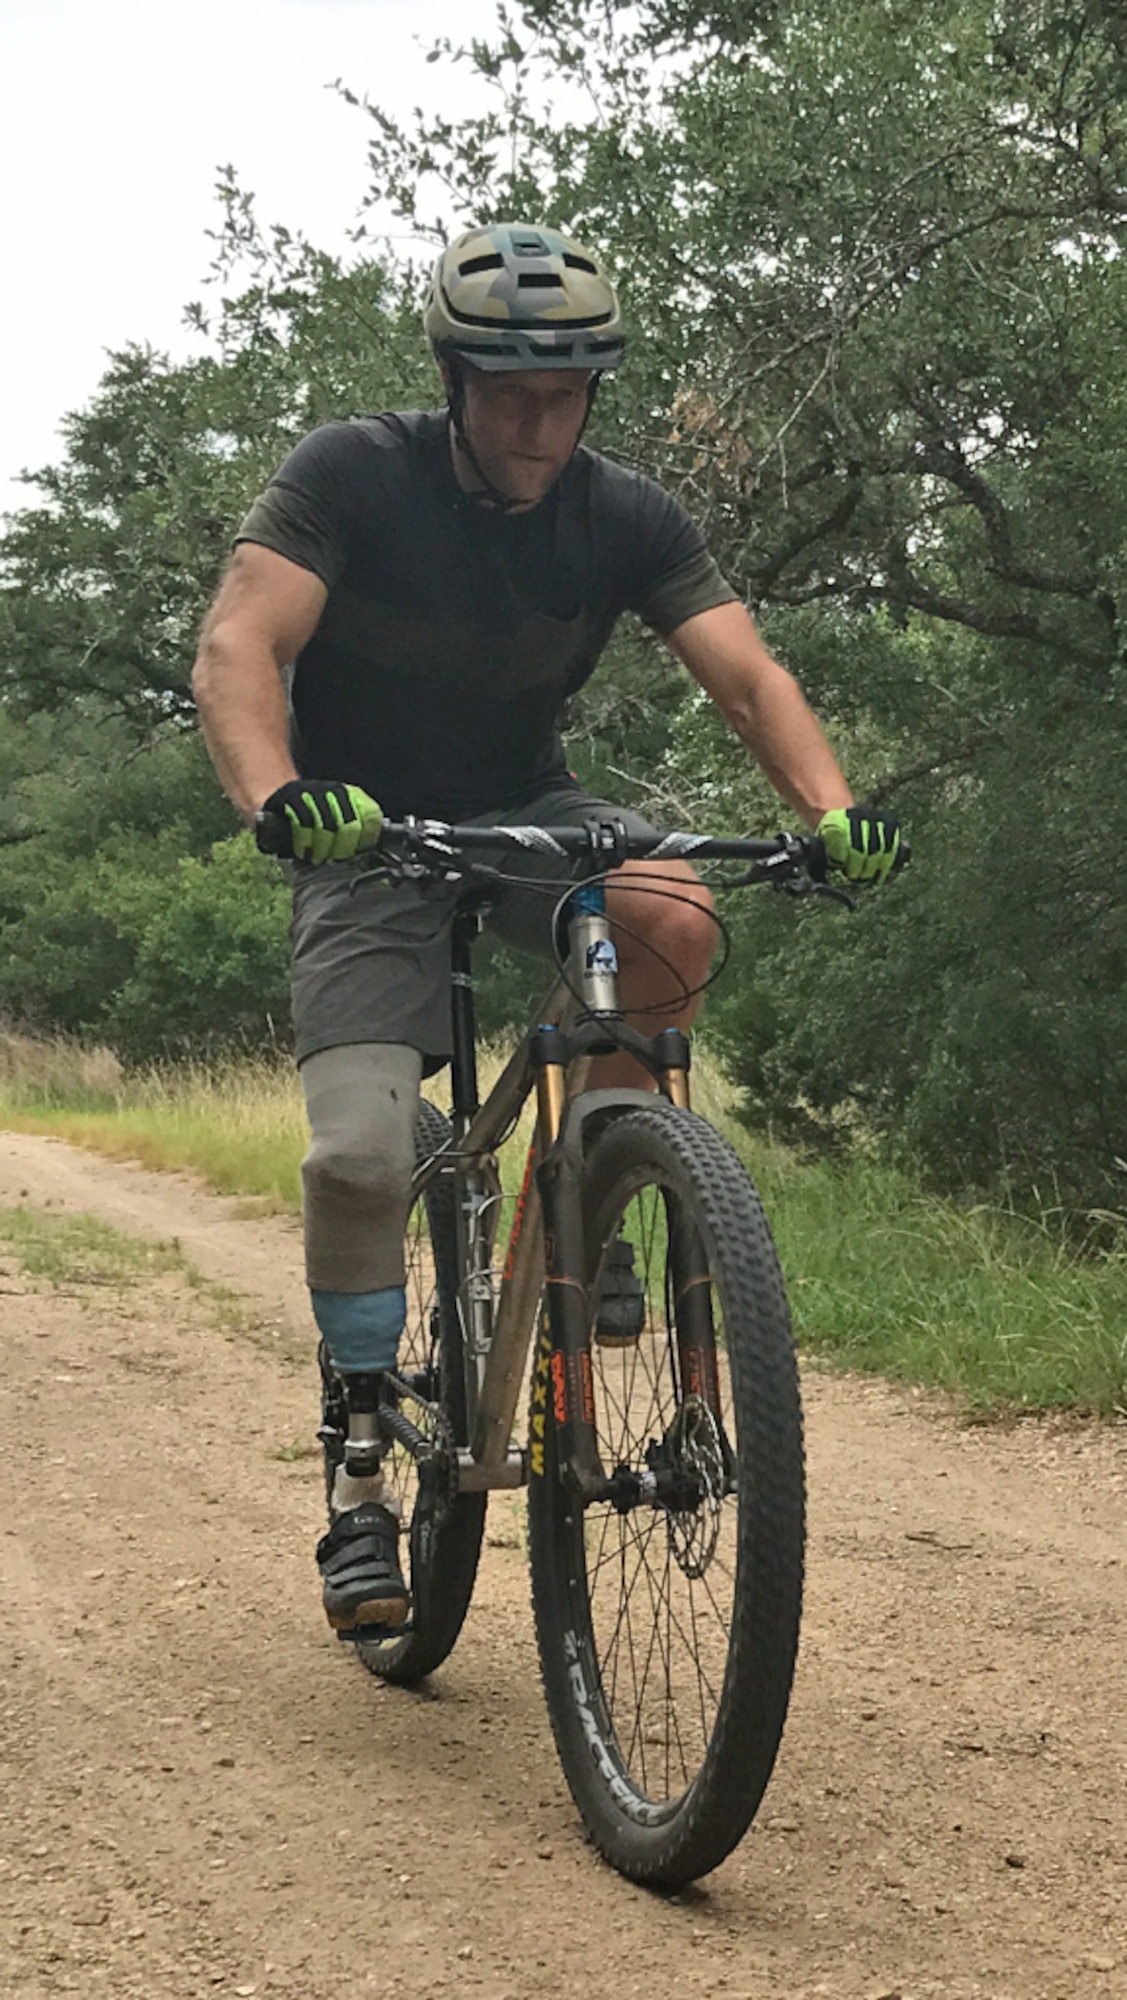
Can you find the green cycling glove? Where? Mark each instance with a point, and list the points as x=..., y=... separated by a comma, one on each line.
x=328, y=822
x=864, y=841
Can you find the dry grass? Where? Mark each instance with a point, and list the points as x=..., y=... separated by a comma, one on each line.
x=881, y=1277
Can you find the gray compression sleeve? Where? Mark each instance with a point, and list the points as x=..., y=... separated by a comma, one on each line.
x=362, y=1101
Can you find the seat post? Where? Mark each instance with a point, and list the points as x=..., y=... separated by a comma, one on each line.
x=463, y=1062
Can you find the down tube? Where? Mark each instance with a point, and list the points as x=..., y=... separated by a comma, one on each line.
x=521, y=1284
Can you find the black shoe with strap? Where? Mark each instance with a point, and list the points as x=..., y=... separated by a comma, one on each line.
x=359, y=1563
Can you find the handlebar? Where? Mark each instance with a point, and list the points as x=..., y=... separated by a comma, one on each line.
x=605, y=842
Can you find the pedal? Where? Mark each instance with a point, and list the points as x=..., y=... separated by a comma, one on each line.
x=375, y=1635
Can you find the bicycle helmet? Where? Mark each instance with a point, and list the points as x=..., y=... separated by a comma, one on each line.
x=516, y=295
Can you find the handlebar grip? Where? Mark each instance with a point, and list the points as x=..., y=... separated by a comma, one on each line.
x=820, y=866
x=273, y=834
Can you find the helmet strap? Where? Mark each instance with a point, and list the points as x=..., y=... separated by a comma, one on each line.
x=592, y=392
x=487, y=495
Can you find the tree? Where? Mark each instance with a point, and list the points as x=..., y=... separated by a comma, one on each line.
x=872, y=259
x=127, y=911
x=105, y=584
x=872, y=256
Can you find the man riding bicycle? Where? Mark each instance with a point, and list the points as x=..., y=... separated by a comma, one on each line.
x=408, y=607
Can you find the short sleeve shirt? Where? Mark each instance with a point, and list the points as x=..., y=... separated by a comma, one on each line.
x=454, y=633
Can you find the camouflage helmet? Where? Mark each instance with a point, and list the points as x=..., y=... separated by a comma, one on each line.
x=516, y=295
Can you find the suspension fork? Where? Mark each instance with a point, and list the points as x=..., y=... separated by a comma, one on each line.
x=692, y=1311
x=688, y=1263
x=595, y=961
x=562, y=1387
x=562, y=1368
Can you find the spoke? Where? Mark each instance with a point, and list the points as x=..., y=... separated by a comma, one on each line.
x=612, y=1554
x=670, y=1702
x=720, y=1618
x=655, y=1628
x=684, y=1638
x=608, y=1516
x=700, y=1671
x=641, y=1543
x=616, y=1452
x=610, y=1648
x=663, y=1598
x=637, y=1702
x=614, y=1673
x=657, y=1644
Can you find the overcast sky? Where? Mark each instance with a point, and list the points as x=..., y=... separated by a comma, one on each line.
x=114, y=115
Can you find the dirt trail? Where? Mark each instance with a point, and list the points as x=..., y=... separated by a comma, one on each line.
x=204, y=1794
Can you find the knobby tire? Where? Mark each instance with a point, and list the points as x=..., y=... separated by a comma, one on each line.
x=668, y=1634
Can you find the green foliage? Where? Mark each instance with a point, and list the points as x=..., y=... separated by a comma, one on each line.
x=871, y=258
x=153, y=950
x=106, y=582
x=127, y=913
x=872, y=261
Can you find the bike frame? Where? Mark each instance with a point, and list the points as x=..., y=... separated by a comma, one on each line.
x=545, y=1251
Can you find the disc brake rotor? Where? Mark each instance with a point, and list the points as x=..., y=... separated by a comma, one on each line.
x=695, y=1448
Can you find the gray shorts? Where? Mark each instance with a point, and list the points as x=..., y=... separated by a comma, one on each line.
x=371, y=960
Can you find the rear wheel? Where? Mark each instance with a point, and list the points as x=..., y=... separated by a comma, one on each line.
x=668, y=1619
x=442, y=1542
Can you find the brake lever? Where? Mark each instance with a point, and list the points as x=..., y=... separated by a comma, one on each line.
x=835, y=894
x=806, y=885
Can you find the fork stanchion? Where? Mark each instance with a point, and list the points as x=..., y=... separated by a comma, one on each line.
x=673, y=1066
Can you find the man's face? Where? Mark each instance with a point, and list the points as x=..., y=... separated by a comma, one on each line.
x=523, y=426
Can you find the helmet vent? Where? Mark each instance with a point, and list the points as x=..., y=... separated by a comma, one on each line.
x=528, y=281
x=492, y=262
x=580, y=264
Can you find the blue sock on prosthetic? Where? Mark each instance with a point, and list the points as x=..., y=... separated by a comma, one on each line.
x=361, y=1329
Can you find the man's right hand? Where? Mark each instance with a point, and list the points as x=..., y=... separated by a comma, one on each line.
x=328, y=822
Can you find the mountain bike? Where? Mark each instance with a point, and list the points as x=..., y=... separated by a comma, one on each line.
x=663, y=1449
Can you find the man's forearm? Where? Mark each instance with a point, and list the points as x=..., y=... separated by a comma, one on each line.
x=765, y=706
x=242, y=708
x=785, y=737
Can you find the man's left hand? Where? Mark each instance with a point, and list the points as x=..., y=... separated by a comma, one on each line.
x=863, y=841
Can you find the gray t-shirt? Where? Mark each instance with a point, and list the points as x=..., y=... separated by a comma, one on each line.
x=453, y=633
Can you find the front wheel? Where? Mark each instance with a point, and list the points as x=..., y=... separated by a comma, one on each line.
x=667, y=1619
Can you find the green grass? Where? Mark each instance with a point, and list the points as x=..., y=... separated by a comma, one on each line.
x=995, y=1308
x=81, y=1250
x=239, y=1125
x=989, y=1305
